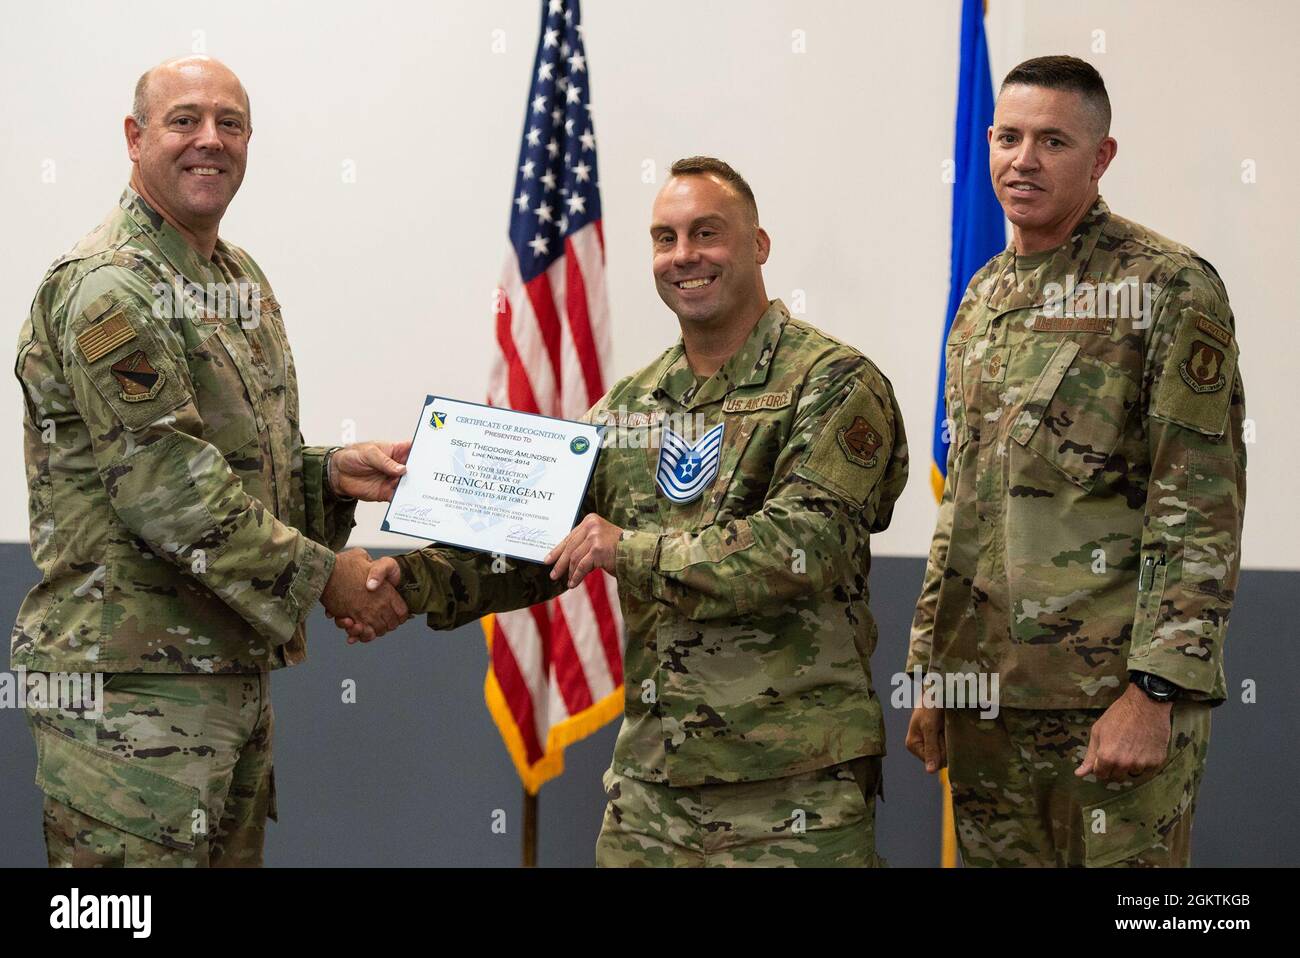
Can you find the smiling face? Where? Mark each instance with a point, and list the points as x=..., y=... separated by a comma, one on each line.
x=1046, y=156
x=190, y=154
x=708, y=252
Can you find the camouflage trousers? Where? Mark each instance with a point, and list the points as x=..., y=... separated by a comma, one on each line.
x=1016, y=799
x=175, y=772
x=821, y=818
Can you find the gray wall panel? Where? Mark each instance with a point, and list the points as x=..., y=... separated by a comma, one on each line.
x=412, y=773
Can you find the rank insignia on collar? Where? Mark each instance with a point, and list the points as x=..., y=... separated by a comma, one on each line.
x=137, y=377
x=1202, y=369
x=859, y=442
x=685, y=471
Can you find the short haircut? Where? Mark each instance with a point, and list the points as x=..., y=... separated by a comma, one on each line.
x=706, y=165
x=1065, y=73
x=140, y=103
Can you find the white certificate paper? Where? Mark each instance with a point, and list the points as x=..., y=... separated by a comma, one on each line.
x=494, y=480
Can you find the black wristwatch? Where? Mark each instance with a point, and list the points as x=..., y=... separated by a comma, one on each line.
x=1156, y=688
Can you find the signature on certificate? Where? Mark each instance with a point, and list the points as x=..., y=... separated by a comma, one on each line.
x=521, y=533
x=414, y=512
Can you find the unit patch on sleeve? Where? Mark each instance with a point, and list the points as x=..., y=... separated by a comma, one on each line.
x=1196, y=382
x=137, y=377
x=859, y=440
x=848, y=451
x=1202, y=370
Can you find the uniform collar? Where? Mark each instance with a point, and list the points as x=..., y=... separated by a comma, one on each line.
x=748, y=366
x=165, y=237
x=1006, y=292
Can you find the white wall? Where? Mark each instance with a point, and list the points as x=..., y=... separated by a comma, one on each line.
x=386, y=282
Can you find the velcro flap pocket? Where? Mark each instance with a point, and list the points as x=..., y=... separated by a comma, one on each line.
x=849, y=456
x=1196, y=384
x=1075, y=413
x=731, y=477
x=111, y=790
x=122, y=357
x=1031, y=413
x=1137, y=820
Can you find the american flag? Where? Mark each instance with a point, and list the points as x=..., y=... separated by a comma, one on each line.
x=555, y=671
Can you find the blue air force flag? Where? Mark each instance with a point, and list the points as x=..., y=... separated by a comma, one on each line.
x=685, y=471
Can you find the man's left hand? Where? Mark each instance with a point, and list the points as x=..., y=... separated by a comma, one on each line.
x=1131, y=737
x=369, y=470
x=592, y=544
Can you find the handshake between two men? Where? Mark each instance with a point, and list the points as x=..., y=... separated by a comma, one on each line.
x=369, y=471
x=361, y=594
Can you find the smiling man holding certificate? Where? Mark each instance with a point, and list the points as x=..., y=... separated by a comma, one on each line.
x=740, y=477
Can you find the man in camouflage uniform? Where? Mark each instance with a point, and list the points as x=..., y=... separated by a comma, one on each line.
x=751, y=731
x=1088, y=541
x=182, y=530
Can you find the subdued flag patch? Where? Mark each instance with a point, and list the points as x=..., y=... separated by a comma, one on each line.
x=105, y=336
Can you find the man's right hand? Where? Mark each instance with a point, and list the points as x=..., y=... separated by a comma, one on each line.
x=925, y=737
x=383, y=576
x=348, y=597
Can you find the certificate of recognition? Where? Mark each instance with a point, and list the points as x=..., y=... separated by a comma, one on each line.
x=494, y=480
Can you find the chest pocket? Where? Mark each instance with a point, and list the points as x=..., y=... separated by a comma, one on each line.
x=744, y=473
x=281, y=394
x=623, y=485
x=966, y=325
x=954, y=401
x=224, y=393
x=1075, y=413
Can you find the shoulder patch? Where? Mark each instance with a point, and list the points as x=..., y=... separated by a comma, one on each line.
x=844, y=455
x=104, y=336
x=859, y=441
x=137, y=377
x=1195, y=384
x=1214, y=331
x=1202, y=370
x=776, y=400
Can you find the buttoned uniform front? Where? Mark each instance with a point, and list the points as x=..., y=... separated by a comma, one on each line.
x=179, y=523
x=749, y=634
x=1091, y=518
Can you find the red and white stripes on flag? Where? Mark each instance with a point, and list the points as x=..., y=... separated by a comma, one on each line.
x=555, y=671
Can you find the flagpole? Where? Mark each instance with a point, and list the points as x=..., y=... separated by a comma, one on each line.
x=530, y=829
x=978, y=233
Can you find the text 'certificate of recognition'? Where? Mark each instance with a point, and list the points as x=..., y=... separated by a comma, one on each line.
x=493, y=479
